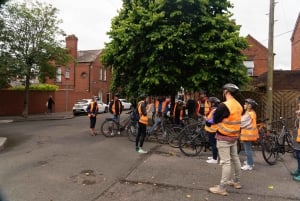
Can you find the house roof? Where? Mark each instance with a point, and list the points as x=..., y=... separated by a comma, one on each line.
x=295, y=28
x=256, y=42
x=86, y=56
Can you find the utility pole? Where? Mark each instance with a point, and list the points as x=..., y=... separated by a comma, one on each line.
x=270, y=65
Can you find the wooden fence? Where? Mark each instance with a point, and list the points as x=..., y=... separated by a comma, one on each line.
x=284, y=105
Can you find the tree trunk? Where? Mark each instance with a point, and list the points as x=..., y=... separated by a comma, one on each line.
x=26, y=97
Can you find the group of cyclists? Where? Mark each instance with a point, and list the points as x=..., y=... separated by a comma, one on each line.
x=226, y=122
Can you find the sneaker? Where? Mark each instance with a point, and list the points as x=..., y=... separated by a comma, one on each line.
x=218, y=190
x=210, y=157
x=141, y=151
x=246, y=167
x=297, y=178
x=212, y=161
x=119, y=133
x=245, y=163
x=295, y=173
x=236, y=185
x=112, y=134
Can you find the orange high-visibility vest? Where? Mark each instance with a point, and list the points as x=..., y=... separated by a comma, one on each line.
x=113, y=107
x=298, y=133
x=231, y=125
x=213, y=128
x=143, y=118
x=250, y=134
x=163, y=106
x=181, y=114
x=92, y=108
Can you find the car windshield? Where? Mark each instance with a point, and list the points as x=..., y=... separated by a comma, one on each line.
x=82, y=101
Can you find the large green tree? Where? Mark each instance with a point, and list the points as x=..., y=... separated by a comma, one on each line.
x=28, y=43
x=2, y=2
x=158, y=46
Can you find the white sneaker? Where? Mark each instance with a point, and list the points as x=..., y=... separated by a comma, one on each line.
x=247, y=167
x=212, y=161
x=119, y=133
x=141, y=151
x=245, y=163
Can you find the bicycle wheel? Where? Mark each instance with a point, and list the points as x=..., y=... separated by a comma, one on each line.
x=269, y=149
x=173, y=136
x=132, y=130
x=161, y=135
x=190, y=144
x=289, y=142
x=109, y=128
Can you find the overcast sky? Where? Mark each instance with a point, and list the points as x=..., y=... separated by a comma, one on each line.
x=89, y=20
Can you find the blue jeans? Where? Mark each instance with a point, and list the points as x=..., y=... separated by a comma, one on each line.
x=248, y=152
x=156, y=123
x=213, y=142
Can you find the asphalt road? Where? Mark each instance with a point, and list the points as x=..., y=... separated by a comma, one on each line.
x=57, y=160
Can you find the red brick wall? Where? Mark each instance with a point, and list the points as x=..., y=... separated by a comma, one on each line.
x=295, y=63
x=12, y=101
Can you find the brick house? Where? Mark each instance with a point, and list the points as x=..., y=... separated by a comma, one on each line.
x=257, y=57
x=295, y=40
x=82, y=78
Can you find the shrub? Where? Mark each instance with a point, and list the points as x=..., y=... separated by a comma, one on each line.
x=36, y=87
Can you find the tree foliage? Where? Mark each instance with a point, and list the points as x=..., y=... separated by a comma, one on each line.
x=158, y=46
x=28, y=43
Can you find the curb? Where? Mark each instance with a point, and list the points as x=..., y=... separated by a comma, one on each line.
x=3, y=140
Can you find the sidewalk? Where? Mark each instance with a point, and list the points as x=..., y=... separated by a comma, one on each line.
x=165, y=174
x=35, y=117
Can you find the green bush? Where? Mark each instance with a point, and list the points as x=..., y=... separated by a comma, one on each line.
x=36, y=87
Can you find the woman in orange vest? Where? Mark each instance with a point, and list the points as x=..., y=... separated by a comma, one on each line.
x=211, y=129
x=143, y=109
x=92, y=110
x=249, y=131
x=296, y=173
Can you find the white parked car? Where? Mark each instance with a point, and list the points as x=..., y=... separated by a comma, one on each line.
x=81, y=106
x=126, y=105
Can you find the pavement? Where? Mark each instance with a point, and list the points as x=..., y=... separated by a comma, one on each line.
x=35, y=117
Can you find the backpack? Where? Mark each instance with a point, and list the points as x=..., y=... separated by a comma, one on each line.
x=134, y=116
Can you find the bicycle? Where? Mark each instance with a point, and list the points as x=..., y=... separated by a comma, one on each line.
x=274, y=143
x=110, y=127
x=193, y=139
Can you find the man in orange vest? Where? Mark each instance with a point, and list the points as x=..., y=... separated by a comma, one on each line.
x=92, y=110
x=115, y=108
x=249, y=131
x=296, y=173
x=228, y=119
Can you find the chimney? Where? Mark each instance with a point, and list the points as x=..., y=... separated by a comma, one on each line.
x=71, y=44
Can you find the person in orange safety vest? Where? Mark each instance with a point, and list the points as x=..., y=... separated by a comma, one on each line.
x=296, y=173
x=249, y=131
x=228, y=119
x=211, y=129
x=92, y=111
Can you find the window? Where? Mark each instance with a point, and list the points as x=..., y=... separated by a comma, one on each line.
x=100, y=74
x=250, y=67
x=67, y=74
x=104, y=74
x=58, y=74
